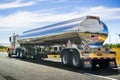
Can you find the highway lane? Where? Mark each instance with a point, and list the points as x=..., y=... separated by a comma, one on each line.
x=17, y=69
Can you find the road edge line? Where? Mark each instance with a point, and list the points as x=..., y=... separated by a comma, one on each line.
x=100, y=76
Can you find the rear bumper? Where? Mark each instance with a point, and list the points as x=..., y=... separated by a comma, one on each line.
x=107, y=62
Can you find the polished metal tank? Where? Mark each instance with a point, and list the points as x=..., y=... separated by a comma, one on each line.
x=88, y=30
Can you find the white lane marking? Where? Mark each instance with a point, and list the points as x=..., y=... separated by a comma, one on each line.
x=101, y=76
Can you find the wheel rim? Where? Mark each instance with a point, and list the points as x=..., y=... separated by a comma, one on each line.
x=75, y=60
x=17, y=54
x=64, y=59
x=21, y=55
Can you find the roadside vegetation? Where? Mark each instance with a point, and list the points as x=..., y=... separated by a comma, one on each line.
x=3, y=48
x=112, y=45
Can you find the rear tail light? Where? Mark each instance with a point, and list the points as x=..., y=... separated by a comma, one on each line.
x=86, y=62
x=112, y=62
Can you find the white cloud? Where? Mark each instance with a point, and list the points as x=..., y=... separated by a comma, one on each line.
x=113, y=39
x=30, y=19
x=54, y=1
x=57, y=1
x=17, y=3
x=103, y=12
x=10, y=29
x=25, y=19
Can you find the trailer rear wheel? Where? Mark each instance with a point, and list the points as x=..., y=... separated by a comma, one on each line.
x=66, y=59
x=76, y=60
x=9, y=55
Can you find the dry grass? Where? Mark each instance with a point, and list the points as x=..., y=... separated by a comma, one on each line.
x=3, y=50
x=117, y=50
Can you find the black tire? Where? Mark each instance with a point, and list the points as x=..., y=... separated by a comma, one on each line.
x=66, y=59
x=9, y=55
x=94, y=64
x=76, y=60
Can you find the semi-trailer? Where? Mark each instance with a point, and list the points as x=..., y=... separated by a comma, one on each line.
x=79, y=42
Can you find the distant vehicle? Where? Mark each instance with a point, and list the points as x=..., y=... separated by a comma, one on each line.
x=79, y=42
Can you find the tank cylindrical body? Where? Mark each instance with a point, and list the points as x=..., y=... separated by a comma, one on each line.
x=89, y=29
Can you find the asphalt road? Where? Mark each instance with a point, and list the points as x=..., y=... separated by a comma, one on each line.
x=17, y=69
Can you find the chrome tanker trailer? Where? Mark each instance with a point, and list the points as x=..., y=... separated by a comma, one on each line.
x=79, y=42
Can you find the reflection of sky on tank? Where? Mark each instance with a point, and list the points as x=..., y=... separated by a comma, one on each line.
x=105, y=29
x=98, y=44
x=98, y=28
x=90, y=25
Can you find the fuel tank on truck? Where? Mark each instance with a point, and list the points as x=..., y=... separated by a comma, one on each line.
x=88, y=30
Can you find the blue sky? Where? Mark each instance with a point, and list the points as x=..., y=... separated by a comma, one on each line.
x=17, y=16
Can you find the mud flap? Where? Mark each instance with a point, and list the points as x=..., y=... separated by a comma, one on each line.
x=86, y=63
x=112, y=63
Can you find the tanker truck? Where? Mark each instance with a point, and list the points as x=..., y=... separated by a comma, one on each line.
x=79, y=42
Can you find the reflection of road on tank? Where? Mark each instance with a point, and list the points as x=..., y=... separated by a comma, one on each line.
x=84, y=40
x=91, y=38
